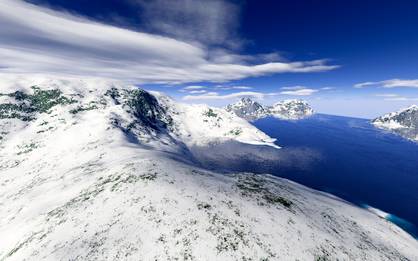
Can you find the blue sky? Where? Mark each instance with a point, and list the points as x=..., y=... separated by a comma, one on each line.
x=354, y=58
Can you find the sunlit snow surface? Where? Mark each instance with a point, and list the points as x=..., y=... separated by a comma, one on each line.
x=353, y=160
x=95, y=184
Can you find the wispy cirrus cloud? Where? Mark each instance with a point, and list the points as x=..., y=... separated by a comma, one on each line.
x=395, y=97
x=288, y=91
x=222, y=87
x=194, y=87
x=210, y=22
x=298, y=91
x=393, y=83
x=197, y=91
x=36, y=40
x=293, y=88
x=217, y=96
x=387, y=95
x=328, y=88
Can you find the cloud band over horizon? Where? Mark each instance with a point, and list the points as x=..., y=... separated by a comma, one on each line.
x=37, y=40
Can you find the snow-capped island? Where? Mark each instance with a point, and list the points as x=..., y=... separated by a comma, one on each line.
x=97, y=170
x=403, y=122
x=288, y=109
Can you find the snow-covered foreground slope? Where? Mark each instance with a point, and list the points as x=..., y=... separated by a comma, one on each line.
x=403, y=122
x=287, y=109
x=105, y=175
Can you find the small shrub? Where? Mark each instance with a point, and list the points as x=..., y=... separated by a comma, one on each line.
x=210, y=113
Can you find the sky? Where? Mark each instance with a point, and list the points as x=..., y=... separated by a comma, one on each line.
x=351, y=58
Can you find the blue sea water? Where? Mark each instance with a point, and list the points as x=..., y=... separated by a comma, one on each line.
x=350, y=158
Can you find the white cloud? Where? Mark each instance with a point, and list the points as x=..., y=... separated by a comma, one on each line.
x=35, y=40
x=303, y=90
x=393, y=83
x=328, y=88
x=194, y=87
x=197, y=91
x=300, y=92
x=221, y=87
x=217, y=96
x=387, y=95
x=395, y=97
x=401, y=98
x=364, y=84
x=241, y=87
x=293, y=88
x=212, y=22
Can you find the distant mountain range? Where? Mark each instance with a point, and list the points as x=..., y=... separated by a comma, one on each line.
x=403, y=122
x=288, y=109
x=97, y=170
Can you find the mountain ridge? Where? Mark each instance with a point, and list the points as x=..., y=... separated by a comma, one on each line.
x=291, y=109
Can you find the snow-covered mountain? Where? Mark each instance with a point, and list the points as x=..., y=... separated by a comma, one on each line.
x=94, y=170
x=403, y=122
x=287, y=109
x=247, y=109
x=291, y=109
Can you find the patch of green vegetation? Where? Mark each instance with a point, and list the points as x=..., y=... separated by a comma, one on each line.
x=91, y=106
x=14, y=111
x=252, y=185
x=230, y=234
x=114, y=94
x=130, y=179
x=48, y=129
x=41, y=101
x=236, y=131
x=210, y=113
x=27, y=148
x=203, y=205
x=273, y=199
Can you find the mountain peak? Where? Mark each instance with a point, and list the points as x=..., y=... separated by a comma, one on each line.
x=403, y=122
x=291, y=109
x=247, y=108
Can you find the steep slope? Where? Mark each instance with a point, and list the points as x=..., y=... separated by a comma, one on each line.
x=403, y=122
x=287, y=109
x=101, y=174
x=201, y=125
